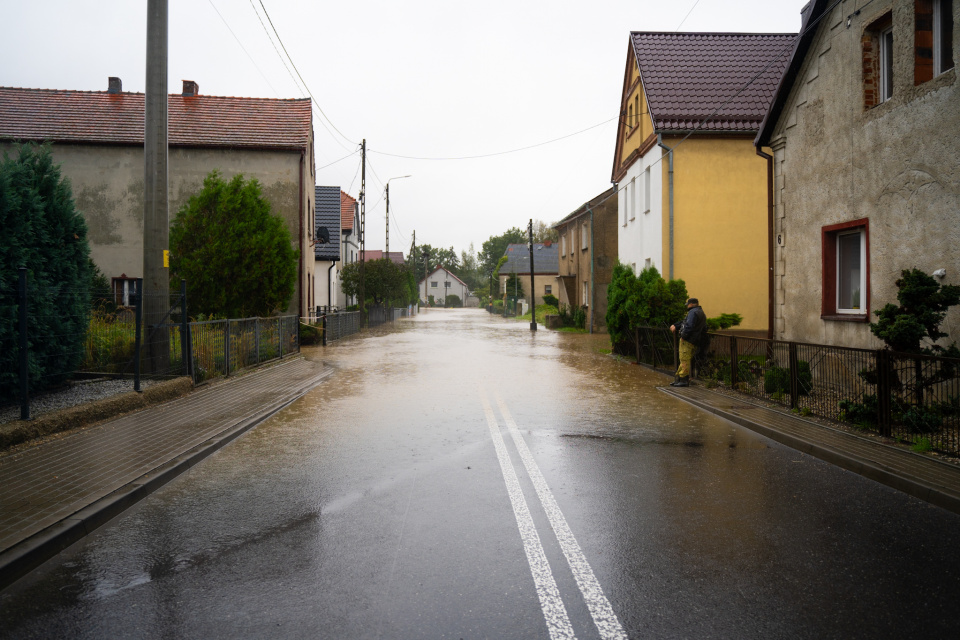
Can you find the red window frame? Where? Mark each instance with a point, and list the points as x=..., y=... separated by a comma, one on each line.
x=828, y=308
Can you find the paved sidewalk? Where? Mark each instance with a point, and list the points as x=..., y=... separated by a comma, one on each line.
x=54, y=493
x=918, y=475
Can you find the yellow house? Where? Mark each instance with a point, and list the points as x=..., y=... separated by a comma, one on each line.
x=693, y=196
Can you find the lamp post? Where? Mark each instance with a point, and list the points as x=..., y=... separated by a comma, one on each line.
x=426, y=254
x=387, y=189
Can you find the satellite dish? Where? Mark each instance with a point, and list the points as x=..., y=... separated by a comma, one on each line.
x=323, y=235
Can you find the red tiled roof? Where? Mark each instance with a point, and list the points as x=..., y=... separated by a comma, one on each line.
x=687, y=76
x=396, y=257
x=347, y=211
x=118, y=118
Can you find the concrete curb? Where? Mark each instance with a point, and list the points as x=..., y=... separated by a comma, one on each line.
x=29, y=554
x=867, y=468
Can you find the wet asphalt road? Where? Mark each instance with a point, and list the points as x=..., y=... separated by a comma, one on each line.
x=460, y=477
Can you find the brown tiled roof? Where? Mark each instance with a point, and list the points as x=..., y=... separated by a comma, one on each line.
x=396, y=257
x=118, y=118
x=687, y=76
x=347, y=211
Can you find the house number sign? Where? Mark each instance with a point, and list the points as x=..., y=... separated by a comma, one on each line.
x=781, y=240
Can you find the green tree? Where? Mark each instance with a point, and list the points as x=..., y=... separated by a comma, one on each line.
x=384, y=282
x=922, y=309
x=514, y=287
x=543, y=232
x=42, y=231
x=237, y=258
x=494, y=248
x=644, y=300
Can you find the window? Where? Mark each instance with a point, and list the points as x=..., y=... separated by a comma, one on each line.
x=586, y=294
x=547, y=289
x=846, y=271
x=446, y=284
x=563, y=244
x=124, y=290
x=630, y=119
x=932, y=39
x=583, y=236
x=878, y=62
x=647, y=263
x=433, y=285
x=646, y=190
x=636, y=110
x=885, y=60
x=632, y=198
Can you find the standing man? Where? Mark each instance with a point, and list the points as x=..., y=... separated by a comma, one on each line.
x=691, y=333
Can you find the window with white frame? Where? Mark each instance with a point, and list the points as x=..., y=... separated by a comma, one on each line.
x=433, y=285
x=646, y=190
x=563, y=244
x=586, y=294
x=547, y=289
x=632, y=198
x=942, y=36
x=584, y=237
x=885, y=62
x=124, y=291
x=647, y=263
x=851, y=271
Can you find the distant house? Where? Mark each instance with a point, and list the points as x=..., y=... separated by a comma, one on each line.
x=97, y=139
x=588, y=252
x=692, y=189
x=865, y=139
x=546, y=260
x=350, y=243
x=396, y=257
x=440, y=284
x=326, y=251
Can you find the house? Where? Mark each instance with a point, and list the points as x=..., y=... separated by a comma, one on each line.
x=442, y=283
x=865, y=138
x=97, y=138
x=546, y=260
x=692, y=189
x=350, y=242
x=396, y=257
x=326, y=251
x=588, y=252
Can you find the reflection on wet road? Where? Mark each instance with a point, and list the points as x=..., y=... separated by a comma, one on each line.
x=462, y=477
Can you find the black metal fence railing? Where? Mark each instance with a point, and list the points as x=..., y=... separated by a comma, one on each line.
x=50, y=334
x=914, y=398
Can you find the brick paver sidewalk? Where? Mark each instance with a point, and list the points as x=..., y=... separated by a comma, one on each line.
x=919, y=475
x=56, y=492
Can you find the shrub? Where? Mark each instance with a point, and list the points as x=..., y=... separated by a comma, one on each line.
x=551, y=300
x=580, y=317
x=777, y=379
x=310, y=334
x=44, y=232
x=453, y=301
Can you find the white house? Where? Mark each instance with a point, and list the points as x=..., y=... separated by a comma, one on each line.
x=326, y=250
x=349, y=244
x=442, y=283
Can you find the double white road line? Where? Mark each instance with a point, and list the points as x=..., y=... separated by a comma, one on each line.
x=554, y=611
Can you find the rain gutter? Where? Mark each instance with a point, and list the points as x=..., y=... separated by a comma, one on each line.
x=670, y=188
x=333, y=263
x=593, y=253
x=770, y=242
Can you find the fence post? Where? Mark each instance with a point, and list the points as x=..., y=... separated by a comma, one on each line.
x=324, y=324
x=794, y=379
x=884, y=422
x=256, y=337
x=184, y=340
x=636, y=341
x=226, y=347
x=734, y=363
x=138, y=320
x=24, y=365
x=298, y=333
x=280, y=334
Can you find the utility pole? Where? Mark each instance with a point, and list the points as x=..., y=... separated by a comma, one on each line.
x=156, y=221
x=363, y=221
x=533, y=293
x=413, y=263
x=386, y=249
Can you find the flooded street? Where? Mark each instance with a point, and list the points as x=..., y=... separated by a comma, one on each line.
x=462, y=477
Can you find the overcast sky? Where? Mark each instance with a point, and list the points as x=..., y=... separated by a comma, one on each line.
x=423, y=78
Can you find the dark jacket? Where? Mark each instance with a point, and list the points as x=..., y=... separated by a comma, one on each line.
x=694, y=325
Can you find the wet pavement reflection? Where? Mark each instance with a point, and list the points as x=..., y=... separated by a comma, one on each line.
x=376, y=507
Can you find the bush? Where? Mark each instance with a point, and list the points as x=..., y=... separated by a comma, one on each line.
x=580, y=317
x=551, y=300
x=861, y=413
x=498, y=306
x=44, y=232
x=453, y=301
x=777, y=379
x=310, y=334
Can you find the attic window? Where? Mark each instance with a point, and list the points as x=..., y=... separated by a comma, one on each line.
x=877, y=52
x=933, y=39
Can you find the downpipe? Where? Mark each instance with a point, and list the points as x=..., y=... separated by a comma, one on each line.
x=670, y=192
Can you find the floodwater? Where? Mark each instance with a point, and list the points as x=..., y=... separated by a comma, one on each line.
x=460, y=476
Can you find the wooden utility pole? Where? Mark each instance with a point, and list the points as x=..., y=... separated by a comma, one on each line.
x=363, y=221
x=533, y=292
x=156, y=221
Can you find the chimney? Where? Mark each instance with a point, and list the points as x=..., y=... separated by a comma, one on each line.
x=190, y=88
x=114, y=85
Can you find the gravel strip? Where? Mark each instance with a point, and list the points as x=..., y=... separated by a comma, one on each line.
x=79, y=392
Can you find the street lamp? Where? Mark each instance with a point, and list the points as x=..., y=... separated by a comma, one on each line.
x=387, y=188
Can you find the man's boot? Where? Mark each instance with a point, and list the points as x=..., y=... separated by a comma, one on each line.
x=682, y=382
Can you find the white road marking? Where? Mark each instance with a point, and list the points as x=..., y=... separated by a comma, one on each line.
x=603, y=616
x=554, y=612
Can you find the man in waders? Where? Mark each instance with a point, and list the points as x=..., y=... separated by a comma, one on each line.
x=691, y=333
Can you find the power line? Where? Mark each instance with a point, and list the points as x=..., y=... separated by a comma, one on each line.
x=280, y=40
x=688, y=15
x=260, y=71
x=336, y=161
x=498, y=153
x=285, y=66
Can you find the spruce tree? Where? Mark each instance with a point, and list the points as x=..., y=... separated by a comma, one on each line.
x=44, y=232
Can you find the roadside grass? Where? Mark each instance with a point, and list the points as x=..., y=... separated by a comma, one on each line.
x=543, y=310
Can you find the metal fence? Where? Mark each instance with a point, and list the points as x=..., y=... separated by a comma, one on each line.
x=51, y=334
x=341, y=325
x=912, y=397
